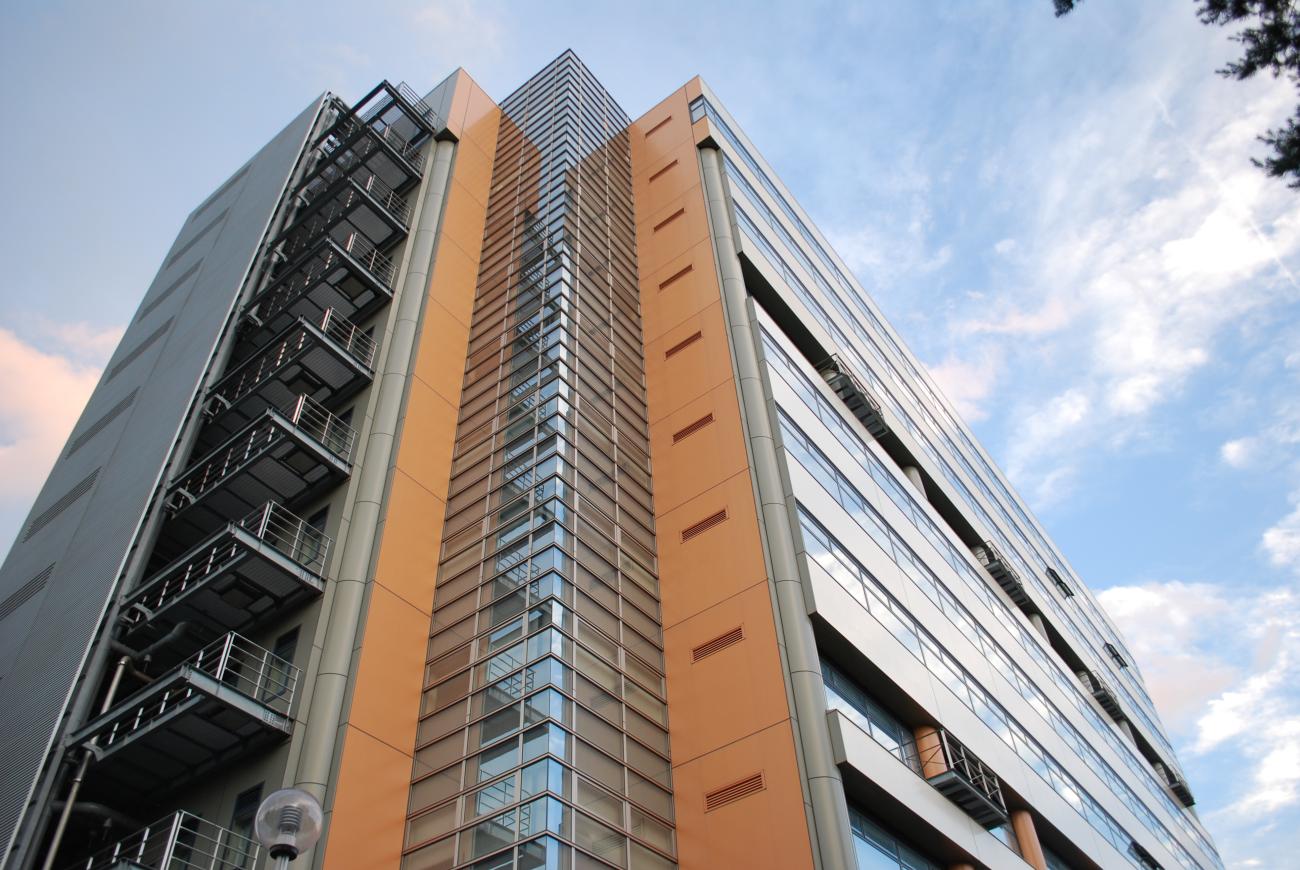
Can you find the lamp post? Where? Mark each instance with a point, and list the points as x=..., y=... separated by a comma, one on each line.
x=288, y=823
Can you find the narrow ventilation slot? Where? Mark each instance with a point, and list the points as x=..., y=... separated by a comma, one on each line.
x=683, y=344
x=25, y=593
x=662, y=171
x=198, y=237
x=718, y=644
x=657, y=127
x=704, y=525
x=666, y=221
x=171, y=288
x=51, y=513
x=734, y=792
x=101, y=424
x=139, y=350
x=690, y=430
x=221, y=191
x=676, y=276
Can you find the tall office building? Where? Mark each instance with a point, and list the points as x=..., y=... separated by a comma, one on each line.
x=538, y=489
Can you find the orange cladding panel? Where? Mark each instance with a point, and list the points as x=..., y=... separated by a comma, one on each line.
x=738, y=798
x=368, y=803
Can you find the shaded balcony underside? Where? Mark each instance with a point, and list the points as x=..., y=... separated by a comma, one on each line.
x=302, y=361
x=208, y=725
x=271, y=460
x=346, y=274
x=245, y=581
x=350, y=202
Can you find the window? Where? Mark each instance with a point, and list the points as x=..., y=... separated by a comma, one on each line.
x=278, y=677
x=877, y=849
x=236, y=854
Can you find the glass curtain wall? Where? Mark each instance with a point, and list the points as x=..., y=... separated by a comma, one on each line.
x=543, y=736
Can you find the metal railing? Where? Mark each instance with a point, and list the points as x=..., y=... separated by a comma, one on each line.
x=246, y=378
x=841, y=378
x=335, y=146
x=305, y=415
x=232, y=660
x=363, y=178
x=288, y=534
x=951, y=755
x=351, y=337
x=310, y=417
x=177, y=842
x=355, y=246
x=1103, y=692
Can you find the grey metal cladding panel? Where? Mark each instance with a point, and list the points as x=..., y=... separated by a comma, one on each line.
x=439, y=99
x=89, y=540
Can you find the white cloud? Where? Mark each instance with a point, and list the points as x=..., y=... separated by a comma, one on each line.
x=1282, y=541
x=45, y=393
x=1239, y=452
x=1129, y=284
x=1005, y=247
x=1224, y=669
x=968, y=383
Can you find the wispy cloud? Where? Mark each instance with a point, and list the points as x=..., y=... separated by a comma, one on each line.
x=1121, y=306
x=1223, y=670
x=46, y=388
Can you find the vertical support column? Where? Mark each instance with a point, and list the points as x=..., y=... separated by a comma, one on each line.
x=832, y=836
x=929, y=749
x=1022, y=822
x=321, y=724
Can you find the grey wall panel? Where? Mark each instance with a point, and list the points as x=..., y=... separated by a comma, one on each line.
x=46, y=639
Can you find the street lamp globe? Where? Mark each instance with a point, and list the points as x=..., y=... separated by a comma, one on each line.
x=288, y=823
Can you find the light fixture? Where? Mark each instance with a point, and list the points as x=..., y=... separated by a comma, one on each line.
x=288, y=823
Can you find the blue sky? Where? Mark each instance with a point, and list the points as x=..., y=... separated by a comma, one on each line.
x=1058, y=215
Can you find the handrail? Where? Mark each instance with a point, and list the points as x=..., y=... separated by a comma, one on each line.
x=202, y=844
x=953, y=756
x=365, y=179
x=235, y=662
x=359, y=346
x=245, y=378
x=350, y=126
x=305, y=415
x=288, y=534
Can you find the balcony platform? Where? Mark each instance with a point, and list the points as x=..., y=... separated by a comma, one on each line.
x=181, y=840
x=259, y=567
x=284, y=455
x=345, y=274
x=358, y=202
x=963, y=779
x=229, y=699
x=1006, y=576
x=840, y=377
x=326, y=360
x=1103, y=693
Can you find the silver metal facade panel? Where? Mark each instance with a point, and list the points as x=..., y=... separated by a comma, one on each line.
x=45, y=640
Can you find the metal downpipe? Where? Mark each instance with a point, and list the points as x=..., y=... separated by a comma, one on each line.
x=831, y=833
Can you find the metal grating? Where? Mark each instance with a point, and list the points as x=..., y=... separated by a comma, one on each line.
x=139, y=350
x=690, y=430
x=25, y=592
x=729, y=794
x=704, y=525
x=51, y=513
x=101, y=424
x=718, y=644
